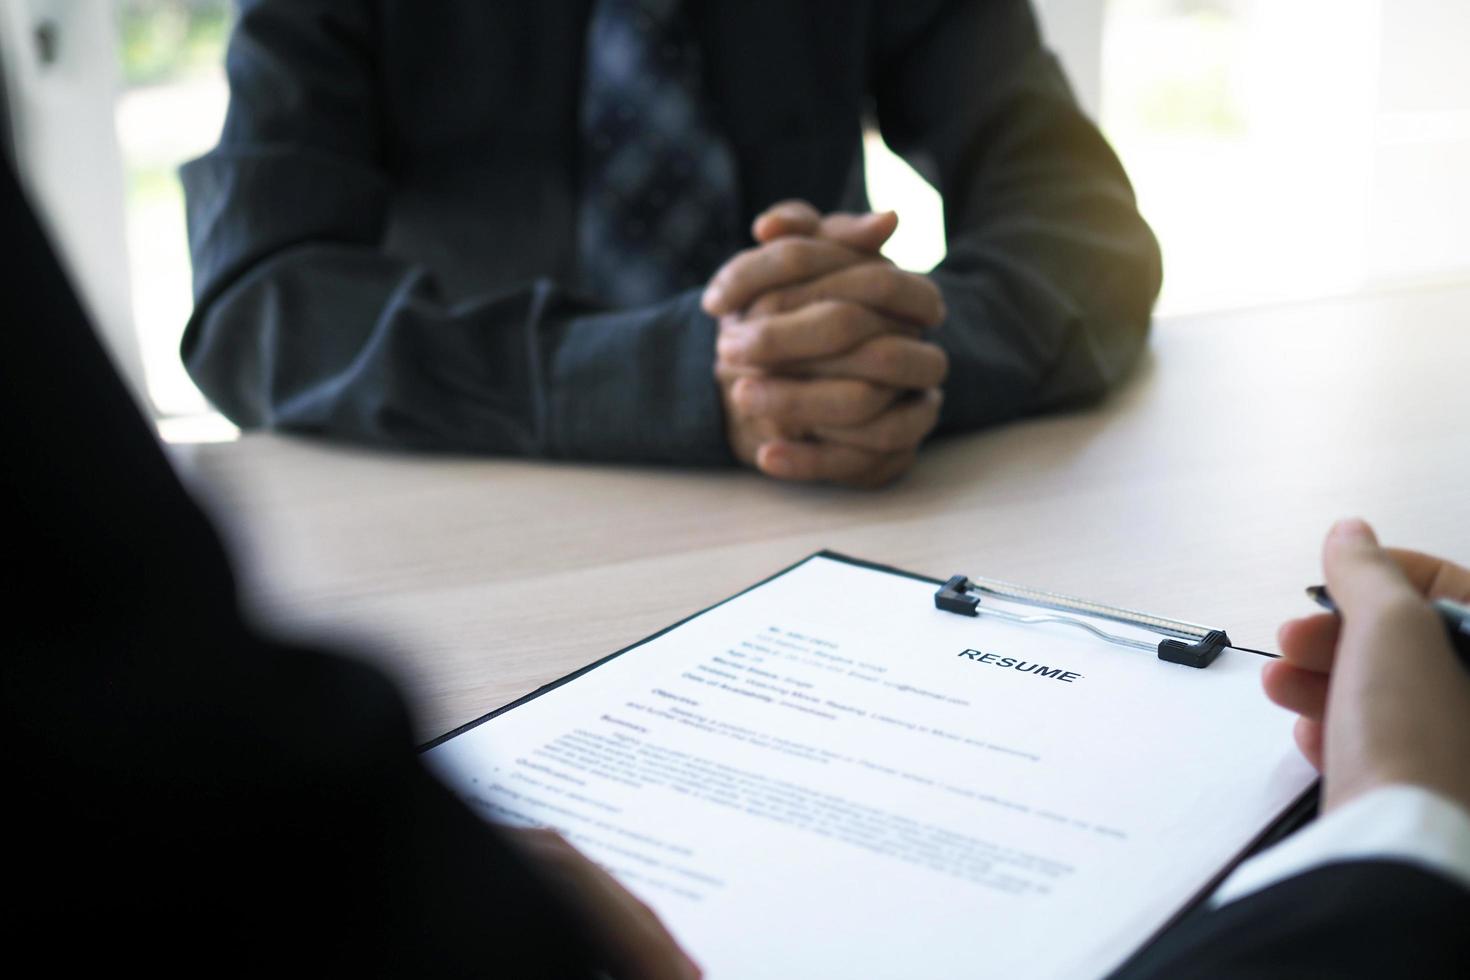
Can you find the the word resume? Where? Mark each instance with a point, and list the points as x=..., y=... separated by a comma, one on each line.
x=826, y=776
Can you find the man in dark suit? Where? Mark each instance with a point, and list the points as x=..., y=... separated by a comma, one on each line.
x=188, y=794
x=489, y=227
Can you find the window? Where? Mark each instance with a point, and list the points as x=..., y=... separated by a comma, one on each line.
x=1281, y=149
x=169, y=110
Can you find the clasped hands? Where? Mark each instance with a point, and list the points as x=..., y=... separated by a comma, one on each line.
x=821, y=361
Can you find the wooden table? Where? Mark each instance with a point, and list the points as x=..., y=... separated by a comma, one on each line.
x=1201, y=490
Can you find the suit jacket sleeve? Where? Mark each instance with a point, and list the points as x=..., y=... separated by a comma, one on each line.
x=1364, y=919
x=304, y=321
x=1051, y=273
x=185, y=793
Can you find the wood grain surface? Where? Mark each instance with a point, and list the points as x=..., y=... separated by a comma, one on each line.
x=1201, y=490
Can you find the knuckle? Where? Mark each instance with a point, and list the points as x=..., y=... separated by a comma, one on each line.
x=928, y=366
x=885, y=283
x=789, y=465
x=783, y=300
x=865, y=400
x=940, y=361
x=889, y=436
x=874, y=396
x=777, y=404
x=934, y=300
x=760, y=341
x=928, y=419
x=889, y=356
x=793, y=298
x=788, y=257
x=764, y=306
x=736, y=266
x=834, y=323
x=845, y=315
x=744, y=395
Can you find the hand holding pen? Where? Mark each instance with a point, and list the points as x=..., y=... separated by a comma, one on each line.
x=1454, y=615
x=1382, y=697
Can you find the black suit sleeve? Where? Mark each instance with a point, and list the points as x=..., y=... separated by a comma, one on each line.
x=306, y=321
x=183, y=793
x=1365, y=919
x=1051, y=273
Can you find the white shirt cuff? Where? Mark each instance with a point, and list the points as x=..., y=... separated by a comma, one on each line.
x=1393, y=823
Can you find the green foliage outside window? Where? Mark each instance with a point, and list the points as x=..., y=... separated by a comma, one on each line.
x=163, y=40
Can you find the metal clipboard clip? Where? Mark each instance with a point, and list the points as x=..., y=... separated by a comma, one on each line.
x=1183, y=643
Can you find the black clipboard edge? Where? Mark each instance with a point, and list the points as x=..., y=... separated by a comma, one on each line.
x=1296, y=813
x=553, y=685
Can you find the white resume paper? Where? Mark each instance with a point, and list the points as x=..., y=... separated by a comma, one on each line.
x=828, y=777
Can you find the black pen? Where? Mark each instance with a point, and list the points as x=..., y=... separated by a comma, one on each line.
x=1454, y=615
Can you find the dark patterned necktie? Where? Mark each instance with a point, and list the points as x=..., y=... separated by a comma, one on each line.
x=659, y=199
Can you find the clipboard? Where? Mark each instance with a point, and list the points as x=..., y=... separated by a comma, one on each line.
x=1180, y=642
x=1174, y=642
x=1188, y=644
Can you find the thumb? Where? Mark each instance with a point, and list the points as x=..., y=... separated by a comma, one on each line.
x=786, y=218
x=864, y=232
x=1361, y=574
x=1397, y=701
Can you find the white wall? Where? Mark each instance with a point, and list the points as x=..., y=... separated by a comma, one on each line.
x=1073, y=30
x=1421, y=160
x=66, y=148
